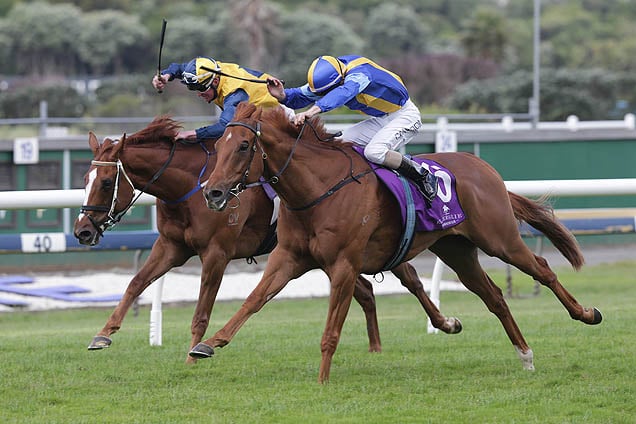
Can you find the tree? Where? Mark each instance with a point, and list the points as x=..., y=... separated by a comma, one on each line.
x=588, y=93
x=484, y=35
x=44, y=37
x=433, y=77
x=394, y=30
x=257, y=23
x=305, y=39
x=191, y=36
x=106, y=36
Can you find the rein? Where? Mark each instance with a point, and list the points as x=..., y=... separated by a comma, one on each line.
x=276, y=178
x=256, y=80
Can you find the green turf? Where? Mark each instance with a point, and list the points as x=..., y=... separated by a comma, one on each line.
x=268, y=373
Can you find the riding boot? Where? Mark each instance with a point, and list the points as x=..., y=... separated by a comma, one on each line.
x=425, y=181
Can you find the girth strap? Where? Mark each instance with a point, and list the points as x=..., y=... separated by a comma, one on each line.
x=409, y=228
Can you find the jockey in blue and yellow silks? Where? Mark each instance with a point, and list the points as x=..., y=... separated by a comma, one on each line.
x=362, y=85
x=226, y=91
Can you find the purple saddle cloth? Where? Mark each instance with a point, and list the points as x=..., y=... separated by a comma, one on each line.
x=445, y=210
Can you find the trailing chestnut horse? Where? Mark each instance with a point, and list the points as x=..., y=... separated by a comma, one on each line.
x=151, y=161
x=347, y=226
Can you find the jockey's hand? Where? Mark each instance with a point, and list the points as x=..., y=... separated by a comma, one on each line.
x=188, y=136
x=276, y=88
x=160, y=81
x=301, y=117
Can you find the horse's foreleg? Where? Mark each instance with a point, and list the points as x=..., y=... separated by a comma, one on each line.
x=363, y=294
x=280, y=269
x=162, y=258
x=461, y=255
x=342, y=279
x=211, y=274
x=409, y=279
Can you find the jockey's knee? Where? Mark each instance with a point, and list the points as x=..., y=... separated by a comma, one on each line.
x=375, y=153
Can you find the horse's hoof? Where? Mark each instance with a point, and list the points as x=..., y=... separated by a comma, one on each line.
x=201, y=351
x=598, y=317
x=456, y=327
x=99, y=342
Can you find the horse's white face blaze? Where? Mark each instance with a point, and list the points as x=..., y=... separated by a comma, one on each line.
x=92, y=175
x=236, y=158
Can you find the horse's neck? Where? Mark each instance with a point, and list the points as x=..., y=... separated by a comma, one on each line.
x=143, y=163
x=310, y=173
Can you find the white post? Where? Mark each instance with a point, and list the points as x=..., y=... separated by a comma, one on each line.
x=156, y=315
x=445, y=141
x=438, y=270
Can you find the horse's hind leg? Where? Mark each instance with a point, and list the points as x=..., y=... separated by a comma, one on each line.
x=409, y=279
x=538, y=268
x=461, y=255
x=363, y=294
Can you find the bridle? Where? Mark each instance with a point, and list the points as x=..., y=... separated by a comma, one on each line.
x=242, y=185
x=113, y=216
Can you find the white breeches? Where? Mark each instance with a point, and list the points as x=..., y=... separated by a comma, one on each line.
x=389, y=132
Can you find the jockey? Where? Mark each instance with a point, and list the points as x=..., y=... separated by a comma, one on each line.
x=226, y=91
x=364, y=86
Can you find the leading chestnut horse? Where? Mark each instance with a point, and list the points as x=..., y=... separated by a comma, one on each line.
x=151, y=161
x=338, y=217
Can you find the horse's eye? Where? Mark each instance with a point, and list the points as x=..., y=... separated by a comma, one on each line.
x=244, y=146
x=107, y=184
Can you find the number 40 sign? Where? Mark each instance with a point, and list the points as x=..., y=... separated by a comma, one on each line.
x=43, y=242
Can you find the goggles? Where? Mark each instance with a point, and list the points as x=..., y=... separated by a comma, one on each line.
x=198, y=82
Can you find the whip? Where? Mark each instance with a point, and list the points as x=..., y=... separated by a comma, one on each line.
x=163, y=35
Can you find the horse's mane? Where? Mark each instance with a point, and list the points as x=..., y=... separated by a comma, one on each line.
x=278, y=118
x=163, y=128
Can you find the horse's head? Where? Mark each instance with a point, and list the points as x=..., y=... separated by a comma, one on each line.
x=238, y=162
x=109, y=191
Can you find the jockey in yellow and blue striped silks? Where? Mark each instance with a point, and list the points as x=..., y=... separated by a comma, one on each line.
x=364, y=86
x=226, y=91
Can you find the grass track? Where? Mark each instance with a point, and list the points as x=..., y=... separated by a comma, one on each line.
x=268, y=373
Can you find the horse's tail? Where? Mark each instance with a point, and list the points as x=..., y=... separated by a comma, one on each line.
x=540, y=215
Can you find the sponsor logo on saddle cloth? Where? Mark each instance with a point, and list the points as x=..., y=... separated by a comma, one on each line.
x=445, y=210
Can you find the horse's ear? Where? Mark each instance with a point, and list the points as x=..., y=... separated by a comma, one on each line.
x=92, y=141
x=119, y=146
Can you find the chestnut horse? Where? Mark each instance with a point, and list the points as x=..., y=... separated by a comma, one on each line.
x=150, y=161
x=350, y=228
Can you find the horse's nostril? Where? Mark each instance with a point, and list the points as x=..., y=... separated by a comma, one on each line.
x=84, y=235
x=215, y=194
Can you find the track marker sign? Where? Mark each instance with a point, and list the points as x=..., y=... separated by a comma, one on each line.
x=43, y=242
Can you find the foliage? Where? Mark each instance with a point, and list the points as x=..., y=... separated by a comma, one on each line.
x=106, y=39
x=306, y=39
x=394, y=30
x=36, y=49
x=63, y=101
x=268, y=373
x=589, y=94
x=484, y=35
x=432, y=78
x=92, y=39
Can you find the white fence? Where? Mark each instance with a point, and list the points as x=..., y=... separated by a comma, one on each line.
x=42, y=199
